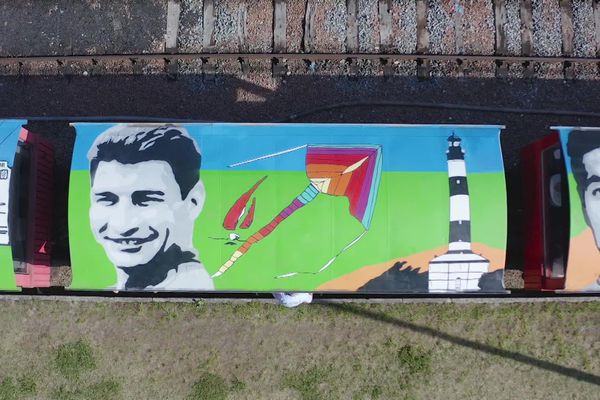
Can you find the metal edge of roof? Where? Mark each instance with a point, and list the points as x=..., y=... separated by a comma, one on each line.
x=264, y=124
x=583, y=128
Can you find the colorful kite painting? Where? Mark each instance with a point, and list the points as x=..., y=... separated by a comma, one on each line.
x=350, y=171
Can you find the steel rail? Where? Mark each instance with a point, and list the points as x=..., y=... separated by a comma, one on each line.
x=8, y=60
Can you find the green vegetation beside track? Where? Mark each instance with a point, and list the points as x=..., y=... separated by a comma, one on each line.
x=109, y=350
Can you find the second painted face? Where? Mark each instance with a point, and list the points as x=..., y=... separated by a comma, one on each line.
x=591, y=162
x=136, y=210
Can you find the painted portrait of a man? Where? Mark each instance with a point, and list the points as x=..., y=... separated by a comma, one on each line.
x=146, y=194
x=583, y=147
x=584, y=150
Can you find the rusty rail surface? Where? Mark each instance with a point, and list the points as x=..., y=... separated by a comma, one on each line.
x=292, y=56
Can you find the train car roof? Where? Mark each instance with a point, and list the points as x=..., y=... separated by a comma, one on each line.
x=367, y=207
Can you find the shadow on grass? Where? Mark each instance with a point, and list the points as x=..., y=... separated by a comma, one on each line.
x=518, y=357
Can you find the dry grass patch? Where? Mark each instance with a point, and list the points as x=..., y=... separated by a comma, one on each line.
x=202, y=350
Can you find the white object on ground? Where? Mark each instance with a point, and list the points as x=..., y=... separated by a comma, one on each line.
x=291, y=300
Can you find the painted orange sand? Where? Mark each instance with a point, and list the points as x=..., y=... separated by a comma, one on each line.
x=356, y=279
x=583, y=268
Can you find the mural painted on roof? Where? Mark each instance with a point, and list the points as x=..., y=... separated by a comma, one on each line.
x=9, y=136
x=243, y=207
x=581, y=147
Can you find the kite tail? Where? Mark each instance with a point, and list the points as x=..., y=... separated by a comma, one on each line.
x=249, y=216
x=235, y=212
x=328, y=263
x=304, y=198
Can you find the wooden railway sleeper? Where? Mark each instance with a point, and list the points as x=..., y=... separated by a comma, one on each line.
x=209, y=68
x=569, y=70
x=460, y=68
x=171, y=68
x=136, y=66
x=352, y=63
x=23, y=69
x=244, y=66
x=528, y=70
x=95, y=69
x=64, y=68
x=279, y=67
x=423, y=70
x=501, y=69
x=388, y=67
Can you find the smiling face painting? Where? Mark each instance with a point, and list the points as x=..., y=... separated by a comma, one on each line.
x=135, y=209
x=591, y=196
x=145, y=197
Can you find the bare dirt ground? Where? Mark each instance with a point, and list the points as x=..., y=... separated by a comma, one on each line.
x=84, y=350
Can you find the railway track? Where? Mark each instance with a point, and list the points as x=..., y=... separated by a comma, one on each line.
x=420, y=63
x=503, y=38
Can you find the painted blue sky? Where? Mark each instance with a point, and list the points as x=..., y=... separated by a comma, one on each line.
x=9, y=135
x=411, y=148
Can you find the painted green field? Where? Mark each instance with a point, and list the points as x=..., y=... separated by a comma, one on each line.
x=7, y=278
x=92, y=351
x=411, y=216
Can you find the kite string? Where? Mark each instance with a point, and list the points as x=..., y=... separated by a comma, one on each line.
x=328, y=263
x=352, y=243
x=279, y=153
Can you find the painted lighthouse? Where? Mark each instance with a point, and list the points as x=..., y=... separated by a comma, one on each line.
x=4, y=193
x=459, y=270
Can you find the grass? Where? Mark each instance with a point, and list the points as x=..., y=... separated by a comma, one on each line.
x=308, y=382
x=414, y=359
x=410, y=364
x=204, y=350
x=369, y=392
x=72, y=359
x=13, y=389
x=209, y=387
x=76, y=364
x=103, y=390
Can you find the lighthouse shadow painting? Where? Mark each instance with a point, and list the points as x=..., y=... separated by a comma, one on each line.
x=460, y=268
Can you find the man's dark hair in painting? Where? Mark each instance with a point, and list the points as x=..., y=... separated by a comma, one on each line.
x=165, y=143
x=146, y=194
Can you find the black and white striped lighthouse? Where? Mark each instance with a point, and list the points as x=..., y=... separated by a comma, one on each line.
x=460, y=220
x=459, y=269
